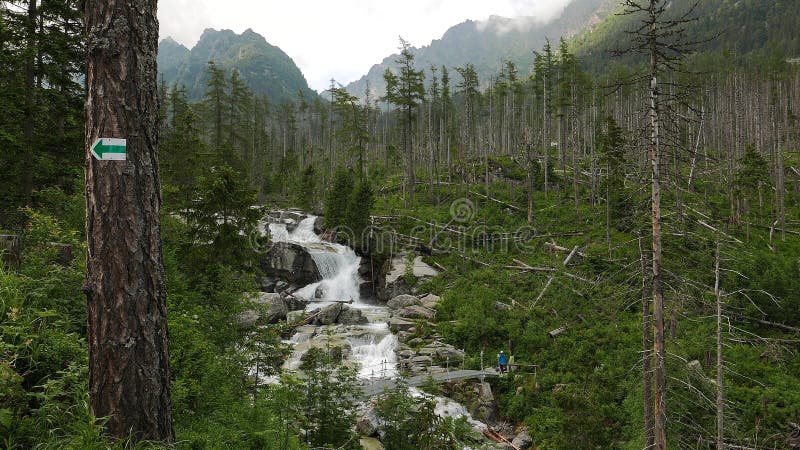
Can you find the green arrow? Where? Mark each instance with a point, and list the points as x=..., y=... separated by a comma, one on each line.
x=110, y=149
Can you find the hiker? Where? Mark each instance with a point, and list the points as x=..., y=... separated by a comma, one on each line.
x=502, y=361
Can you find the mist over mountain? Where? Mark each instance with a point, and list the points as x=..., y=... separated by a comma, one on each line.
x=265, y=68
x=487, y=44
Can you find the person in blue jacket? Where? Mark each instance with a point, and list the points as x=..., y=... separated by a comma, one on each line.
x=502, y=361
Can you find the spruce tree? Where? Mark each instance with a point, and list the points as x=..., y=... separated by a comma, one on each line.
x=406, y=91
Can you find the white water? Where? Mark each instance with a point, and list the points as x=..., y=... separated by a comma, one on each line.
x=371, y=346
x=337, y=264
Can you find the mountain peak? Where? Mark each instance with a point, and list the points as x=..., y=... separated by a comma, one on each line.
x=266, y=69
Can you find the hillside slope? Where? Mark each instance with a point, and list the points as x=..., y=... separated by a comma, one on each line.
x=265, y=68
x=488, y=44
x=743, y=31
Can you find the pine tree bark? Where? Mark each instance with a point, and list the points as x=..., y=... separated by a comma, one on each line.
x=125, y=282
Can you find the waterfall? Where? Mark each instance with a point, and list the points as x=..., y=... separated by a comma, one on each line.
x=337, y=264
x=372, y=345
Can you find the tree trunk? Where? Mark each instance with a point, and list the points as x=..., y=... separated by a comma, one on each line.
x=125, y=282
x=658, y=297
x=30, y=101
x=647, y=377
x=720, y=367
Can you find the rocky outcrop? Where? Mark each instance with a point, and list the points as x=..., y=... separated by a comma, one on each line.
x=328, y=314
x=291, y=262
x=414, y=312
x=402, y=301
x=523, y=441
x=294, y=303
x=267, y=308
x=369, y=423
x=351, y=316
x=396, y=276
x=319, y=225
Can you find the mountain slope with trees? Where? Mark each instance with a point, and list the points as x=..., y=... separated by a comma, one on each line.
x=489, y=44
x=264, y=68
x=741, y=32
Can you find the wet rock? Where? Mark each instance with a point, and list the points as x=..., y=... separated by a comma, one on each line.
x=319, y=292
x=403, y=336
x=415, y=312
x=351, y=316
x=523, y=441
x=319, y=225
x=266, y=284
x=328, y=314
x=291, y=262
x=366, y=290
x=402, y=301
x=294, y=303
x=396, y=324
x=282, y=286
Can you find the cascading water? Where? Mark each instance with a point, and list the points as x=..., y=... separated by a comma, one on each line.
x=371, y=346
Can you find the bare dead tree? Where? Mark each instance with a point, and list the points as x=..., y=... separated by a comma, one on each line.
x=662, y=40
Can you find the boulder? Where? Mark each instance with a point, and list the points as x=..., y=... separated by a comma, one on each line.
x=294, y=215
x=247, y=318
x=281, y=286
x=272, y=307
x=449, y=353
x=415, y=312
x=266, y=284
x=422, y=360
x=368, y=422
x=397, y=324
x=406, y=354
x=430, y=301
x=328, y=314
x=319, y=225
x=500, y=306
x=351, y=316
x=402, y=301
x=523, y=441
x=294, y=303
x=291, y=262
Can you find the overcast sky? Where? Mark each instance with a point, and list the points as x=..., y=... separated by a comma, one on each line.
x=338, y=39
